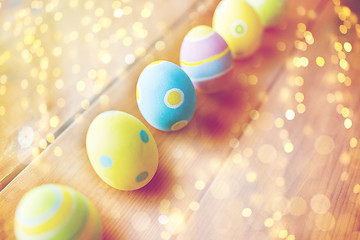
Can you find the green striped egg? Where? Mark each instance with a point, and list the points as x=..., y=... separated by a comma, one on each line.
x=56, y=212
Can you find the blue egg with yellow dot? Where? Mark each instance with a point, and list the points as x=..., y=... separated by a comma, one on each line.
x=165, y=96
x=121, y=150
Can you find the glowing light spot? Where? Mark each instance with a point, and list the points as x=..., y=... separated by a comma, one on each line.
x=163, y=219
x=353, y=142
x=347, y=123
x=320, y=61
x=337, y=46
x=344, y=64
x=25, y=137
x=297, y=206
x=194, y=206
x=299, y=97
x=269, y=222
x=281, y=46
x=301, y=108
x=54, y=121
x=279, y=122
x=290, y=114
x=246, y=212
x=347, y=47
x=283, y=234
x=320, y=204
x=299, y=81
x=252, y=80
x=356, y=189
x=325, y=222
x=251, y=177
x=267, y=153
x=58, y=151
x=343, y=29
x=288, y=147
x=345, y=112
x=199, y=185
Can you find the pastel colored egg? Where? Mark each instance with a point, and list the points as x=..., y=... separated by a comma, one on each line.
x=121, y=150
x=56, y=212
x=206, y=58
x=239, y=25
x=165, y=96
x=270, y=11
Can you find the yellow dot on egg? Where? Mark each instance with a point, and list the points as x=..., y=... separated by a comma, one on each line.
x=179, y=125
x=174, y=98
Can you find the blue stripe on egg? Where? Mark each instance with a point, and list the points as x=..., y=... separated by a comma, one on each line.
x=106, y=161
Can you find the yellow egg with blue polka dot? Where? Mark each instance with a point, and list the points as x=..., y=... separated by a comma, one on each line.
x=56, y=212
x=165, y=96
x=121, y=150
x=206, y=58
x=240, y=26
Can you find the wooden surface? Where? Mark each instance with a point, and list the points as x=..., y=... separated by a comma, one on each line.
x=274, y=157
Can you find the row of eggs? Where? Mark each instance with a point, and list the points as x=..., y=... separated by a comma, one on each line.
x=120, y=147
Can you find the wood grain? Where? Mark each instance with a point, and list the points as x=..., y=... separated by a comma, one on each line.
x=81, y=54
x=232, y=169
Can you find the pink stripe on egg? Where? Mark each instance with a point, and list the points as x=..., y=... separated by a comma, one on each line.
x=195, y=51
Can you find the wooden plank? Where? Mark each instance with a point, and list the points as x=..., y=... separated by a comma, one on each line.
x=69, y=52
x=295, y=178
x=189, y=159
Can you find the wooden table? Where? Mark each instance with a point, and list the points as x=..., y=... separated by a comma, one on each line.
x=275, y=157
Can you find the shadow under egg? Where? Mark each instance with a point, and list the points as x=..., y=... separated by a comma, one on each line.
x=157, y=188
x=218, y=112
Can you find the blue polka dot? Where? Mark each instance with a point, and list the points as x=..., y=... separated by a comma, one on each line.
x=144, y=136
x=106, y=161
x=142, y=176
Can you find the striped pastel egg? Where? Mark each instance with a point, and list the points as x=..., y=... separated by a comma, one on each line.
x=165, y=96
x=56, y=212
x=206, y=58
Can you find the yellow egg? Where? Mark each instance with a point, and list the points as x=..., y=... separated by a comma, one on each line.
x=239, y=25
x=121, y=150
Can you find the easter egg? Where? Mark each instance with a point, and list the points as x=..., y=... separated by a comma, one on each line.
x=270, y=11
x=206, y=58
x=56, y=212
x=239, y=25
x=165, y=96
x=121, y=150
